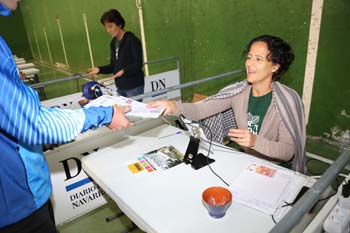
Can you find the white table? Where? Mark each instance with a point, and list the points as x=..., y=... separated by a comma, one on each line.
x=25, y=66
x=20, y=61
x=63, y=199
x=170, y=200
x=32, y=73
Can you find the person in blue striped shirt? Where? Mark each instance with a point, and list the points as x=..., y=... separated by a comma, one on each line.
x=25, y=185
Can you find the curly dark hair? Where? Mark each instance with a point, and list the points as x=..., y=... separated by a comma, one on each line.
x=113, y=16
x=280, y=53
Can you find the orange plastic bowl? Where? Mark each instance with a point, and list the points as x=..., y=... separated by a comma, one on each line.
x=217, y=200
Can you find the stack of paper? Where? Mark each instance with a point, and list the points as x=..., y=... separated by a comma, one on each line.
x=288, y=197
x=138, y=109
x=261, y=186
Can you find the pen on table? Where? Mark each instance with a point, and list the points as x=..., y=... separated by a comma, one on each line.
x=178, y=132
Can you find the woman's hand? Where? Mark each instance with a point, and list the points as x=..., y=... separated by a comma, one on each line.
x=93, y=71
x=169, y=105
x=242, y=137
x=118, y=74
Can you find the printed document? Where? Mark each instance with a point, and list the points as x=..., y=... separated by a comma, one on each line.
x=159, y=159
x=261, y=186
x=138, y=109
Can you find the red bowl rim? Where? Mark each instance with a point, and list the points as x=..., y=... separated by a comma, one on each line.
x=217, y=192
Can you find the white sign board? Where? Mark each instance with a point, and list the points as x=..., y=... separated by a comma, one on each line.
x=154, y=83
x=65, y=102
x=161, y=81
x=73, y=192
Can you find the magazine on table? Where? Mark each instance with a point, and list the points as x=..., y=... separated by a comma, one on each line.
x=159, y=159
x=138, y=109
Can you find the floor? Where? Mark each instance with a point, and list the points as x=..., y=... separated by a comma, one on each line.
x=94, y=221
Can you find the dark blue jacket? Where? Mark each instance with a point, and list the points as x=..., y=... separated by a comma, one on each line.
x=128, y=57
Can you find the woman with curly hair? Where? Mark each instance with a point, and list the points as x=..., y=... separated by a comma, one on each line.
x=264, y=117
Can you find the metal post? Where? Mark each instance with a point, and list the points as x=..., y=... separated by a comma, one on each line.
x=37, y=45
x=165, y=90
x=143, y=37
x=62, y=41
x=88, y=39
x=47, y=44
x=294, y=216
x=77, y=76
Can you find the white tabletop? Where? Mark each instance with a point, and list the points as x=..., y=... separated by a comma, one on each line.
x=170, y=200
x=30, y=71
x=25, y=66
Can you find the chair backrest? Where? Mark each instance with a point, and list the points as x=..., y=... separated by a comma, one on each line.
x=198, y=97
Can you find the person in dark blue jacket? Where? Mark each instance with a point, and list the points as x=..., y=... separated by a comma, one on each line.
x=126, y=56
x=25, y=125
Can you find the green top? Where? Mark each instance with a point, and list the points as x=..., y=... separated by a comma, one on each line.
x=257, y=108
x=116, y=42
x=116, y=46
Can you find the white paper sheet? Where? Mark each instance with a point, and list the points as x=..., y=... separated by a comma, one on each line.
x=138, y=109
x=261, y=186
x=288, y=197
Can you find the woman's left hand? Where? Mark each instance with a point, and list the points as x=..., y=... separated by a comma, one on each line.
x=242, y=137
x=118, y=74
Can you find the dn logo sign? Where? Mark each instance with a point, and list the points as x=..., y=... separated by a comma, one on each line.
x=74, y=162
x=71, y=164
x=158, y=84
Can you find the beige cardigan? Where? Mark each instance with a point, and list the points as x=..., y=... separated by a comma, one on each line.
x=274, y=141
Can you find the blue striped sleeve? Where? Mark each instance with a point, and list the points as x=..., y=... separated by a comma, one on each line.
x=23, y=118
x=96, y=117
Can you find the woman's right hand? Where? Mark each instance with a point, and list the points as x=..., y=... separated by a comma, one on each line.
x=93, y=70
x=169, y=105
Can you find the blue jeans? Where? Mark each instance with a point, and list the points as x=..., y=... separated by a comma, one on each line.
x=131, y=92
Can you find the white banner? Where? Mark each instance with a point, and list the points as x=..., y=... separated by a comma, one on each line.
x=66, y=102
x=73, y=192
x=161, y=81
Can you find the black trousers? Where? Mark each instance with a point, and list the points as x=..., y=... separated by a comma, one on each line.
x=41, y=221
